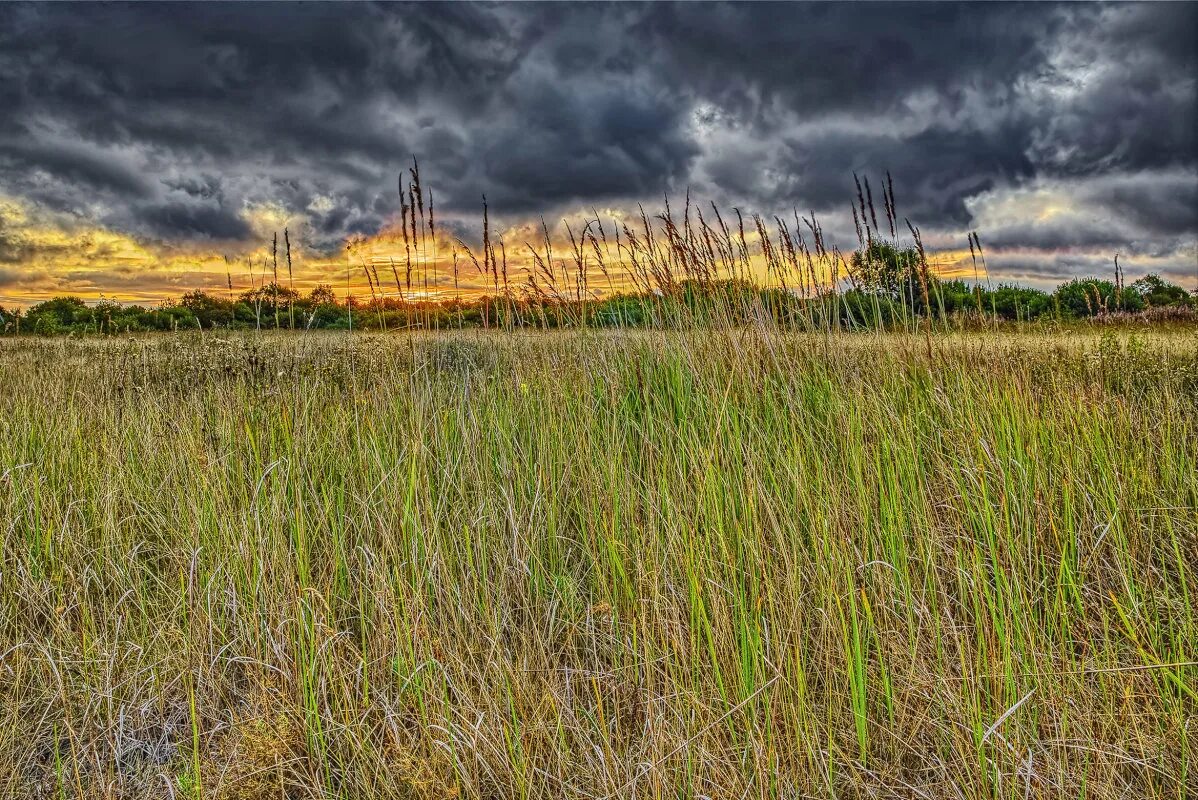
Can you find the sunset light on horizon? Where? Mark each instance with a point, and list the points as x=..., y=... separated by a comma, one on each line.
x=138, y=184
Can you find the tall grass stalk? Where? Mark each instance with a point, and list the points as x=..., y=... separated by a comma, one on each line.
x=723, y=561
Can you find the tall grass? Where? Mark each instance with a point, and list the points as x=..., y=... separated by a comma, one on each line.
x=721, y=563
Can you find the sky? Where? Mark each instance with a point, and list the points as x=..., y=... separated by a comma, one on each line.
x=142, y=144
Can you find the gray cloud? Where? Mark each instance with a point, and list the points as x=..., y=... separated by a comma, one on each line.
x=1154, y=203
x=203, y=220
x=173, y=121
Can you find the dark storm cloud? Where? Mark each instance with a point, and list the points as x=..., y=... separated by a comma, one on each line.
x=187, y=220
x=934, y=169
x=563, y=145
x=78, y=163
x=1155, y=203
x=849, y=57
x=176, y=121
x=952, y=100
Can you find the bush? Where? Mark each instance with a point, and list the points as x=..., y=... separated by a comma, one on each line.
x=1090, y=297
x=60, y=315
x=1018, y=303
x=209, y=311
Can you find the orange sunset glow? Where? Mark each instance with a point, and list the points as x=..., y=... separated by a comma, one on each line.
x=193, y=151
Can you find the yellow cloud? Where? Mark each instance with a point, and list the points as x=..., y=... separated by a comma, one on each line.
x=53, y=255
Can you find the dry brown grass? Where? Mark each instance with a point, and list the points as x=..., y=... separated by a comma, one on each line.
x=729, y=563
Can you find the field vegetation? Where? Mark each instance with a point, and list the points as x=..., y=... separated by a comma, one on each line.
x=691, y=508
x=664, y=270
x=956, y=305
x=696, y=560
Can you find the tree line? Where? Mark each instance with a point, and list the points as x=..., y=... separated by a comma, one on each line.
x=885, y=291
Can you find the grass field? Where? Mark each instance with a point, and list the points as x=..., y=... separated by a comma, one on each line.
x=600, y=565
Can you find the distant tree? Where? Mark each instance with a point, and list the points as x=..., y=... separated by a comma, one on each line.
x=209, y=310
x=129, y=319
x=263, y=299
x=1158, y=292
x=882, y=267
x=57, y=315
x=321, y=309
x=322, y=295
x=65, y=308
x=333, y=317
x=102, y=314
x=47, y=325
x=171, y=316
x=954, y=296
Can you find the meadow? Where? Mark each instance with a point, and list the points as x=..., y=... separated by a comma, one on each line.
x=736, y=562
